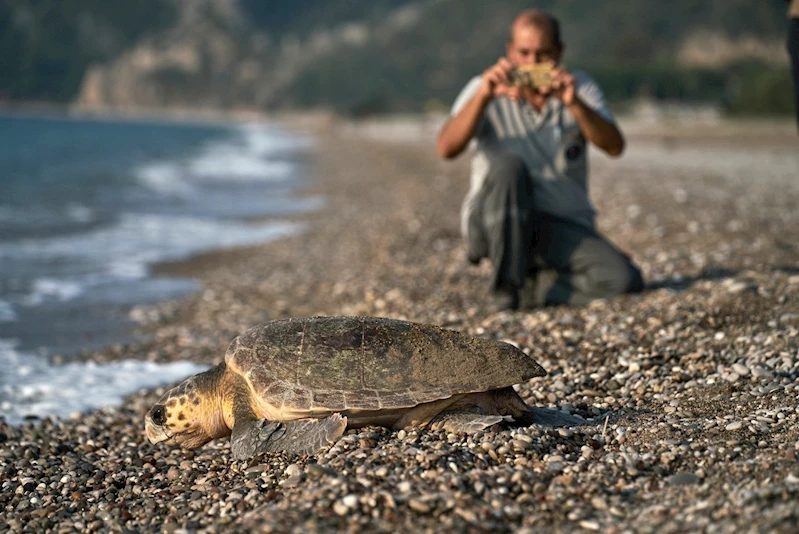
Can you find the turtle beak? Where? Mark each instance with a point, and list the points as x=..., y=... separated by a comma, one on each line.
x=155, y=433
x=153, y=425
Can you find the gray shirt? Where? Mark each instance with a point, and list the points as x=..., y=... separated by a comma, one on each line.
x=549, y=142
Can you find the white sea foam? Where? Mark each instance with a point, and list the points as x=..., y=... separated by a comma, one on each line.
x=46, y=216
x=80, y=213
x=228, y=164
x=7, y=313
x=52, y=289
x=267, y=140
x=165, y=178
x=126, y=249
x=249, y=156
x=30, y=386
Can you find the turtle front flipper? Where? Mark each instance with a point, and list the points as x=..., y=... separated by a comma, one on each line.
x=468, y=420
x=305, y=436
x=302, y=436
x=249, y=436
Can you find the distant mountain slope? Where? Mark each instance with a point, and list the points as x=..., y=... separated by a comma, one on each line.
x=362, y=56
x=47, y=45
x=453, y=40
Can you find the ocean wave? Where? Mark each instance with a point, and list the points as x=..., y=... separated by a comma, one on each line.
x=32, y=387
x=50, y=289
x=165, y=178
x=127, y=249
x=255, y=153
x=37, y=220
x=7, y=313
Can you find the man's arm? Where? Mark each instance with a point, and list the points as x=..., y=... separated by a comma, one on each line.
x=461, y=127
x=596, y=129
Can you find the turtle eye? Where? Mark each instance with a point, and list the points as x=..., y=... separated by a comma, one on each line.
x=158, y=415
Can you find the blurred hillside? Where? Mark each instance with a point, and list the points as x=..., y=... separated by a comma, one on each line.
x=371, y=56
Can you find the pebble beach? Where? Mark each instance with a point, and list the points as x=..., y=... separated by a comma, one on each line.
x=689, y=390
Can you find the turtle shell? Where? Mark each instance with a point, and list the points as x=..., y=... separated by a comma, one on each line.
x=328, y=364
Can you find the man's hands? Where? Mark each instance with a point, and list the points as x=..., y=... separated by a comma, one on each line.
x=495, y=83
x=456, y=132
x=562, y=86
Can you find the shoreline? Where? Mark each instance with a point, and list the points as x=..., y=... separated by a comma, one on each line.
x=696, y=377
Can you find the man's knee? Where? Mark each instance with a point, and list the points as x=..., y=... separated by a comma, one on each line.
x=508, y=169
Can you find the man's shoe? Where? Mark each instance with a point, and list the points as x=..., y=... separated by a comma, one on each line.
x=473, y=259
x=528, y=298
x=503, y=300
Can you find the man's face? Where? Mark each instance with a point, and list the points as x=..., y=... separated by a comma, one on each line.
x=531, y=45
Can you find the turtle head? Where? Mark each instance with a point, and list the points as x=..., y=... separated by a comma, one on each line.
x=189, y=414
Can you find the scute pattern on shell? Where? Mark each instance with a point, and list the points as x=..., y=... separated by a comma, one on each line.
x=337, y=363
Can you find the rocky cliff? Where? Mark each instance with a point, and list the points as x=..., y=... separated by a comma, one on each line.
x=365, y=56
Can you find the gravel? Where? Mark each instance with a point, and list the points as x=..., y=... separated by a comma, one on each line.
x=689, y=390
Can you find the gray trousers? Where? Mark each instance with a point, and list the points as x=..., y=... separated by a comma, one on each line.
x=548, y=259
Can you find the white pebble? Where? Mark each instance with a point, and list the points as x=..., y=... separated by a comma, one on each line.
x=293, y=471
x=350, y=501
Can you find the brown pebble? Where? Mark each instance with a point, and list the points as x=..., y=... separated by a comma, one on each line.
x=418, y=506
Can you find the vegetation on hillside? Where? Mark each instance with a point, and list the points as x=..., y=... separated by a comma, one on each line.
x=47, y=45
x=411, y=54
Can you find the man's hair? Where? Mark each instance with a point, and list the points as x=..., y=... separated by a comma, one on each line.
x=538, y=19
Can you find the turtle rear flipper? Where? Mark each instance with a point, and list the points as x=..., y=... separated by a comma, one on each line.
x=464, y=420
x=548, y=417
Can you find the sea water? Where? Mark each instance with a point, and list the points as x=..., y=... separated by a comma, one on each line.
x=88, y=206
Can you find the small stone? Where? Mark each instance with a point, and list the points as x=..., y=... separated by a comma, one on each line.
x=340, y=508
x=732, y=378
x=519, y=445
x=590, y=524
x=350, y=501
x=316, y=471
x=291, y=482
x=293, y=470
x=381, y=471
x=467, y=515
x=418, y=506
x=735, y=425
x=760, y=372
x=256, y=470
x=683, y=479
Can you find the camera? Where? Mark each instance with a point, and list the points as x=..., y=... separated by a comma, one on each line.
x=532, y=76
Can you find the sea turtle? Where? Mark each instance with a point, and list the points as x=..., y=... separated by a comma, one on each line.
x=297, y=384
